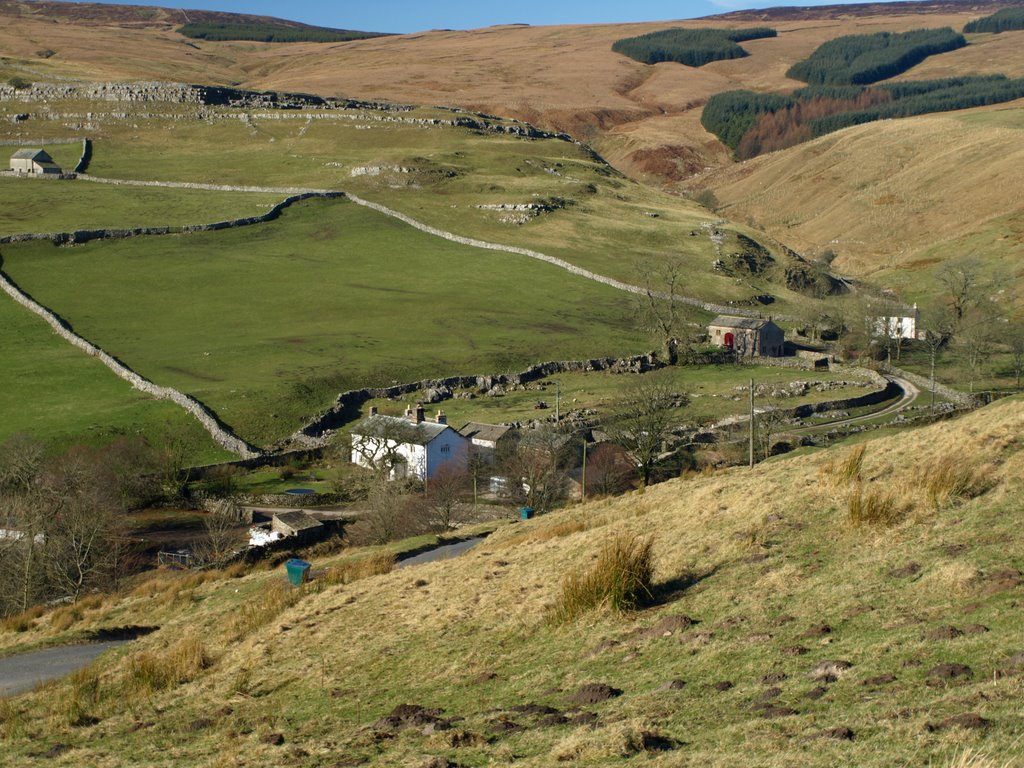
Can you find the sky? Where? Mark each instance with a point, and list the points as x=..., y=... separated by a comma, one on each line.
x=420, y=15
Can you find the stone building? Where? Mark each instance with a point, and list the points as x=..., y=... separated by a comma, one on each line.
x=34, y=162
x=747, y=336
x=409, y=446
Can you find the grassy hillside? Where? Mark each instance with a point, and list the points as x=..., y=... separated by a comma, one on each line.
x=884, y=196
x=780, y=632
x=30, y=205
x=52, y=390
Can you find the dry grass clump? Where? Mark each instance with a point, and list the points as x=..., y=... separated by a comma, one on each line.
x=262, y=610
x=948, y=480
x=621, y=740
x=180, y=662
x=875, y=507
x=846, y=469
x=619, y=580
x=969, y=758
x=170, y=587
x=354, y=570
x=24, y=621
x=12, y=721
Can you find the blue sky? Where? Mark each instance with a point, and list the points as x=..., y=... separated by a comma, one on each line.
x=419, y=15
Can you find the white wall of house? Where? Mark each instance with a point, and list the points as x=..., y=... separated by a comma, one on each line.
x=896, y=327
x=419, y=461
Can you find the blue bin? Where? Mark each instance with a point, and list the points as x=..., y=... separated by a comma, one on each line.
x=298, y=571
x=525, y=513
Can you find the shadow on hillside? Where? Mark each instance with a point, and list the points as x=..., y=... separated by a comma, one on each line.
x=669, y=591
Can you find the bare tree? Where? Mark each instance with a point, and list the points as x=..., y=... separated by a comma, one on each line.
x=174, y=446
x=769, y=421
x=535, y=465
x=977, y=337
x=378, y=441
x=223, y=537
x=658, y=308
x=392, y=513
x=443, y=496
x=963, y=284
x=1015, y=340
x=609, y=470
x=937, y=324
x=641, y=422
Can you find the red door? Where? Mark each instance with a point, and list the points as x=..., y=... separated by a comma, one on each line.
x=729, y=340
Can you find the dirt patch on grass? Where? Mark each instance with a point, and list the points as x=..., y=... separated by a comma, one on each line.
x=593, y=693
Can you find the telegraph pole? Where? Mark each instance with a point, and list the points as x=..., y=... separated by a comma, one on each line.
x=751, y=423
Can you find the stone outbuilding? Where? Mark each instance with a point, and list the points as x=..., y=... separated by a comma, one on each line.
x=747, y=336
x=297, y=524
x=34, y=162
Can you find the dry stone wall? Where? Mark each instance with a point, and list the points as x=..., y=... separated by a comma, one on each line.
x=83, y=236
x=925, y=385
x=218, y=431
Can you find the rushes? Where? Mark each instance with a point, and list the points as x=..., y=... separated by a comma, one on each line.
x=620, y=579
x=182, y=661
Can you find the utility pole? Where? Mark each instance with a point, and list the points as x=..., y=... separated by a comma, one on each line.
x=558, y=398
x=751, y=423
x=583, y=486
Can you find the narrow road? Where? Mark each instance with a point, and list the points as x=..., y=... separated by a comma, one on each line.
x=910, y=393
x=445, y=552
x=24, y=671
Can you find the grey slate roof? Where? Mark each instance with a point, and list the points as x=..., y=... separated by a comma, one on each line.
x=399, y=429
x=298, y=520
x=746, y=323
x=488, y=432
x=32, y=154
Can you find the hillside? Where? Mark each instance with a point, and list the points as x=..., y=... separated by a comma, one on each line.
x=886, y=197
x=780, y=632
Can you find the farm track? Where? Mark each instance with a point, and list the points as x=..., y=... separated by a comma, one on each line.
x=222, y=433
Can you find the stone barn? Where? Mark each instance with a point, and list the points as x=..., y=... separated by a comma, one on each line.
x=34, y=162
x=747, y=336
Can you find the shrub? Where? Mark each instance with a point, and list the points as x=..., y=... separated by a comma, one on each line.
x=874, y=507
x=620, y=580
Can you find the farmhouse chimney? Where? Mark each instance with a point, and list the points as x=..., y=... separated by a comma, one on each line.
x=441, y=418
x=408, y=413
x=420, y=413
x=373, y=410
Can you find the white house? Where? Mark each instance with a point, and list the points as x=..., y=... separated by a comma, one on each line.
x=409, y=446
x=33, y=162
x=898, y=327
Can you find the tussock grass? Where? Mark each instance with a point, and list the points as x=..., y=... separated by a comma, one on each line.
x=180, y=662
x=971, y=758
x=949, y=480
x=261, y=611
x=620, y=580
x=22, y=622
x=621, y=740
x=875, y=507
x=65, y=617
x=846, y=469
x=354, y=570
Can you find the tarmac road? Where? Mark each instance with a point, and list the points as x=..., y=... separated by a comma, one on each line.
x=22, y=672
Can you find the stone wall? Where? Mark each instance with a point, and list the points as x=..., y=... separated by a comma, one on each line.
x=925, y=385
x=218, y=431
x=83, y=236
x=83, y=161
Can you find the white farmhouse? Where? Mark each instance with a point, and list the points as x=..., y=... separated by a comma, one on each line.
x=898, y=326
x=33, y=162
x=409, y=446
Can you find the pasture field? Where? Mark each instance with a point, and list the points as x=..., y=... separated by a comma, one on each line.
x=442, y=175
x=33, y=205
x=265, y=324
x=62, y=396
x=715, y=391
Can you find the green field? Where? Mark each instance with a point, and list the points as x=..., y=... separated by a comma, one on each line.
x=62, y=396
x=266, y=324
x=33, y=205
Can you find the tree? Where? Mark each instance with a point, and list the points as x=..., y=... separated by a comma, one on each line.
x=534, y=467
x=378, y=441
x=609, y=470
x=658, y=306
x=443, y=496
x=937, y=322
x=392, y=513
x=977, y=337
x=962, y=281
x=223, y=537
x=641, y=421
x=1015, y=340
x=174, y=446
x=768, y=422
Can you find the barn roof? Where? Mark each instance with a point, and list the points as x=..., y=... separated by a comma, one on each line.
x=399, y=429
x=746, y=323
x=491, y=433
x=298, y=520
x=32, y=154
